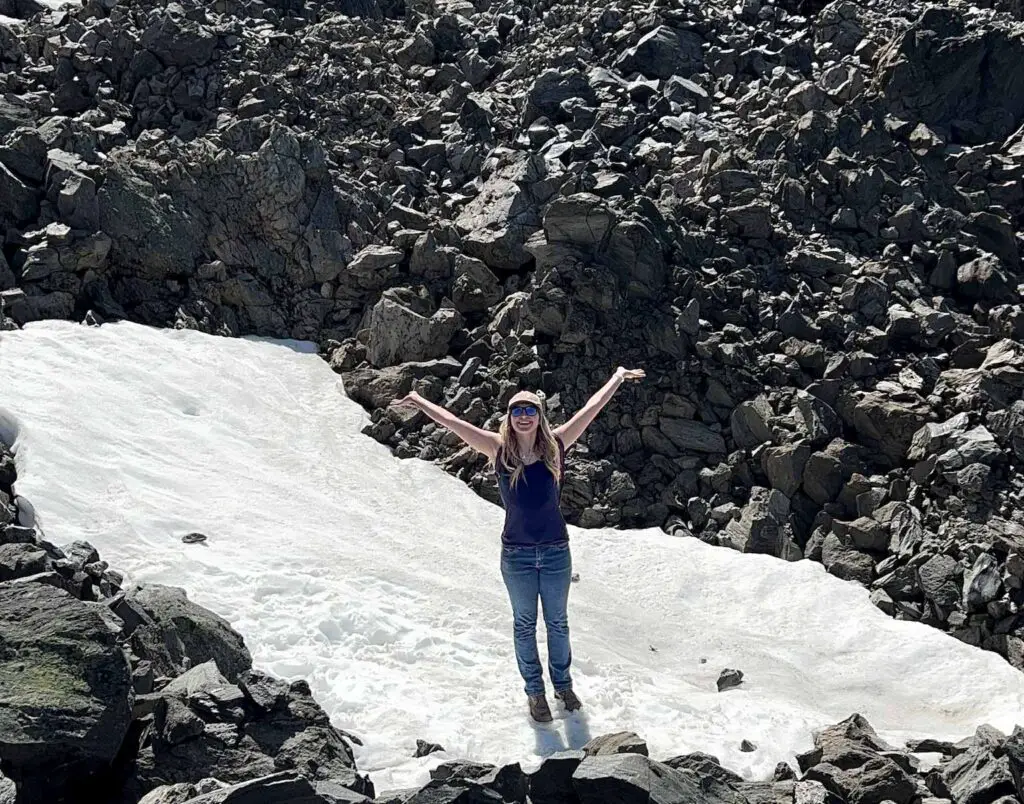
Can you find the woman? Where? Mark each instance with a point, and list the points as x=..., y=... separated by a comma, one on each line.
x=528, y=457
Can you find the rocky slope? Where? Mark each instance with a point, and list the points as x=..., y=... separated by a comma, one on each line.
x=114, y=695
x=802, y=219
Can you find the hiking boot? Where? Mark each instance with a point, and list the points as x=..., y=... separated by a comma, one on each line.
x=569, y=699
x=539, y=709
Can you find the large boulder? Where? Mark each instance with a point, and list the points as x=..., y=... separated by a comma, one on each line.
x=885, y=424
x=637, y=779
x=582, y=219
x=179, y=42
x=763, y=526
x=851, y=762
x=664, y=52
x=551, y=89
x=18, y=202
x=65, y=690
x=201, y=725
x=497, y=223
x=399, y=334
x=189, y=630
x=944, y=72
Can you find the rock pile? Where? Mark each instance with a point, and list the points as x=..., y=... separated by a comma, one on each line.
x=143, y=697
x=111, y=693
x=802, y=219
x=849, y=763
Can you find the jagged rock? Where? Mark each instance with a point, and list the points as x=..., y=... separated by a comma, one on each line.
x=885, y=424
x=785, y=466
x=848, y=761
x=623, y=742
x=819, y=421
x=400, y=335
x=940, y=580
x=635, y=778
x=663, y=53
x=424, y=748
x=982, y=583
x=729, y=679
x=705, y=765
x=21, y=559
x=19, y=204
x=553, y=780
x=982, y=279
x=843, y=560
x=827, y=470
x=920, y=81
x=636, y=255
x=375, y=266
x=68, y=697
x=197, y=633
x=475, y=288
x=749, y=423
x=982, y=772
x=763, y=526
x=379, y=387
x=691, y=435
x=581, y=219
x=498, y=222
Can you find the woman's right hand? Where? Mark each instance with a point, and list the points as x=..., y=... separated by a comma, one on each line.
x=630, y=374
x=410, y=401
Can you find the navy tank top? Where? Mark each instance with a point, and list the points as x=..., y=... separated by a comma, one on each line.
x=532, y=513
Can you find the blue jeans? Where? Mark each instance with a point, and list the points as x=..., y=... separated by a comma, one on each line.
x=543, y=572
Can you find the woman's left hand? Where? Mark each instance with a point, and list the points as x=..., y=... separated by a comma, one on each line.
x=630, y=374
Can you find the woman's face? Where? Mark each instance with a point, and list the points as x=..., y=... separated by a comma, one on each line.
x=525, y=417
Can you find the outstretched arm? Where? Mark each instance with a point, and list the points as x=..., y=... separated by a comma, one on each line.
x=578, y=424
x=481, y=440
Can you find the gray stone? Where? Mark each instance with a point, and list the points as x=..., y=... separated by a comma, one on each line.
x=630, y=778
x=475, y=288
x=785, y=466
x=497, y=223
x=203, y=634
x=750, y=423
x=374, y=266
x=940, y=578
x=687, y=434
x=400, y=335
x=982, y=582
x=66, y=689
x=763, y=526
x=663, y=53
x=623, y=742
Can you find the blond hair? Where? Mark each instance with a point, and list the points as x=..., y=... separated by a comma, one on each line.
x=545, y=444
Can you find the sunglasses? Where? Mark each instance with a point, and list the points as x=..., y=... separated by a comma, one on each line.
x=523, y=410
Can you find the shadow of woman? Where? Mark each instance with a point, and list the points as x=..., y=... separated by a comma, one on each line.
x=548, y=739
x=577, y=730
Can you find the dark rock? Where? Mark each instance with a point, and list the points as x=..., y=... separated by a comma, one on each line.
x=749, y=423
x=636, y=778
x=982, y=773
x=623, y=742
x=763, y=526
x=202, y=634
x=68, y=696
x=705, y=765
x=553, y=780
x=424, y=748
x=663, y=53
x=401, y=335
x=729, y=679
